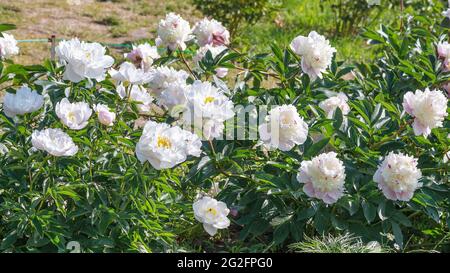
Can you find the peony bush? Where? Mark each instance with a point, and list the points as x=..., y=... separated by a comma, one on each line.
x=192, y=145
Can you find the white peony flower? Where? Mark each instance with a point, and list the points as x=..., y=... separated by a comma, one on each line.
x=173, y=32
x=105, y=116
x=73, y=115
x=443, y=49
x=329, y=105
x=8, y=46
x=429, y=108
x=22, y=102
x=143, y=99
x=129, y=74
x=137, y=94
x=174, y=98
x=54, y=142
x=165, y=147
x=283, y=129
x=398, y=176
x=143, y=56
x=323, y=176
x=163, y=76
x=207, y=109
x=83, y=60
x=215, y=51
x=316, y=52
x=212, y=214
x=211, y=32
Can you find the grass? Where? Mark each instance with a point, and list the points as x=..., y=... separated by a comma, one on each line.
x=117, y=21
x=299, y=17
x=336, y=244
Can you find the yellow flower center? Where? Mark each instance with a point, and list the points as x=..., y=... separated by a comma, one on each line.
x=164, y=142
x=213, y=211
x=71, y=116
x=209, y=99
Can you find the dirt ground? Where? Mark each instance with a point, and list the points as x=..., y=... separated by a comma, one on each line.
x=114, y=21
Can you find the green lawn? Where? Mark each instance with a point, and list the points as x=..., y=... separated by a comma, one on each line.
x=299, y=17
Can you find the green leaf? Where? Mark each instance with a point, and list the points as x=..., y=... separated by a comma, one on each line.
x=306, y=213
x=9, y=240
x=281, y=233
x=369, y=211
x=259, y=227
x=6, y=27
x=398, y=235
x=338, y=118
x=315, y=149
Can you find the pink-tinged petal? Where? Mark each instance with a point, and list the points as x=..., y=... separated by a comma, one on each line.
x=336, y=194
x=319, y=194
x=446, y=65
x=308, y=188
x=377, y=177
x=420, y=129
x=407, y=99
x=405, y=195
x=388, y=193
x=328, y=199
x=308, y=70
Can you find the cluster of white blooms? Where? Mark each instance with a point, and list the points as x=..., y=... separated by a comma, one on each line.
x=316, y=53
x=142, y=98
x=8, y=46
x=212, y=214
x=22, y=102
x=324, y=177
x=163, y=76
x=207, y=109
x=104, y=114
x=133, y=76
x=143, y=56
x=165, y=146
x=173, y=32
x=173, y=98
x=129, y=74
x=54, y=142
x=215, y=51
x=443, y=49
x=329, y=105
x=73, y=115
x=398, y=176
x=211, y=32
x=83, y=60
x=429, y=108
x=283, y=129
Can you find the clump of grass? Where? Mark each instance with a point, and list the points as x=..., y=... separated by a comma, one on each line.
x=109, y=21
x=119, y=31
x=9, y=8
x=112, y=1
x=346, y=243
